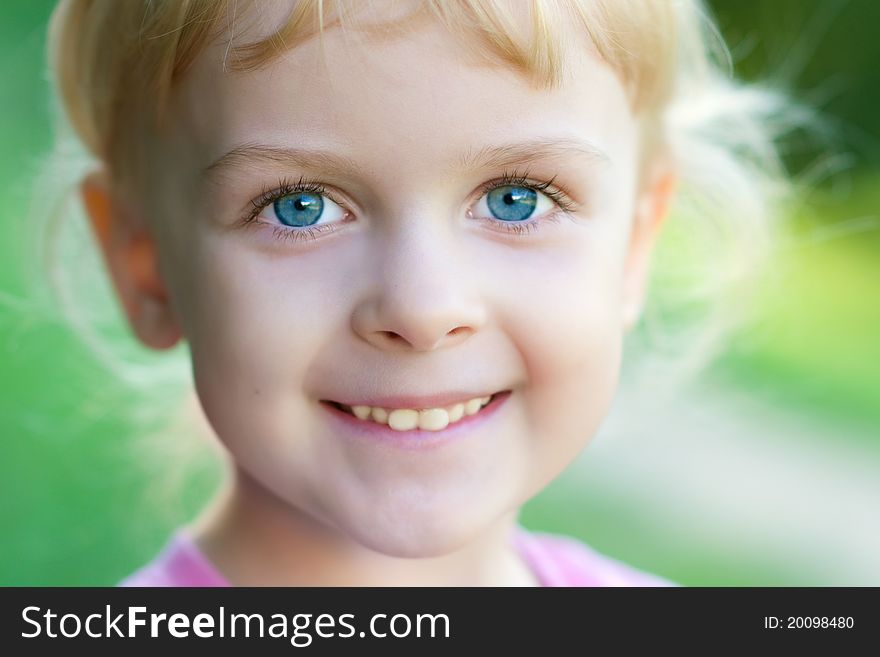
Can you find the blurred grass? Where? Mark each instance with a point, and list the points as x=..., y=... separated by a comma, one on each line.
x=816, y=348
x=619, y=526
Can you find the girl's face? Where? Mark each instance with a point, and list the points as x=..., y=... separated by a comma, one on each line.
x=411, y=283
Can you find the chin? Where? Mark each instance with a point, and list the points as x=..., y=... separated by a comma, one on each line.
x=415, y=535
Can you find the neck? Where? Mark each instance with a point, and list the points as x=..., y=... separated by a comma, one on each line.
x=256, y=539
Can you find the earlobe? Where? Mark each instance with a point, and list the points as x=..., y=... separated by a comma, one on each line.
x=651, y=212
x=130, y=258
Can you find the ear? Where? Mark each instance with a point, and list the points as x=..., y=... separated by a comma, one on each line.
x=651, y=210
x=129, y=254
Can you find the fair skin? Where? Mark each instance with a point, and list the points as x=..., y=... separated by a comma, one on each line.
x=418, y=293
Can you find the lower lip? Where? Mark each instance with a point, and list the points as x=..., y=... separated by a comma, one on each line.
x=416, y=438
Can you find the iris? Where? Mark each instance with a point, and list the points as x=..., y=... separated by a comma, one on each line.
x=301, y=209
x=510, y=203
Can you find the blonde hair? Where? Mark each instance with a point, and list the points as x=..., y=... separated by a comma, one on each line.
x=98, y=48
x=115, y=66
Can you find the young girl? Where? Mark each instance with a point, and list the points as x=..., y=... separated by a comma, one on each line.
x=403, y=242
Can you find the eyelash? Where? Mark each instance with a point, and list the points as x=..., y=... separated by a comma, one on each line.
x=286, y=187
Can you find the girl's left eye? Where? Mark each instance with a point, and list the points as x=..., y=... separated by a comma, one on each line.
x=511, y=202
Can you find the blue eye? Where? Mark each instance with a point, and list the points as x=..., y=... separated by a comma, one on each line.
x=292, y=208
x=299, y=210
x=512, y=203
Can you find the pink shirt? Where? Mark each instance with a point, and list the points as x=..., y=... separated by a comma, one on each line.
x=555, y=559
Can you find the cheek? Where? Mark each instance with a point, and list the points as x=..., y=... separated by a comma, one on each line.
x=565, y=323
x=253, y=324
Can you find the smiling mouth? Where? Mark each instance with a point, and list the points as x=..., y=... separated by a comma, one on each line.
x=429, y=419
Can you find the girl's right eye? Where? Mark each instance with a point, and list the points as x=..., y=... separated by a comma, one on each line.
x=298, y=206
x=301, y=209
x=296, y=211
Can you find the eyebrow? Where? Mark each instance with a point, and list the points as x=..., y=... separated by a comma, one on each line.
x=485, y=157
x=540, y=148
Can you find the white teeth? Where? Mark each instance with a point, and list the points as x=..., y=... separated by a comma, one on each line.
x=431, y=419
x=434, y=419
x=361, y=412
x=403, y=419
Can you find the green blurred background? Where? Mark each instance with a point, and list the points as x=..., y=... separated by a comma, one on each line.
x=766, y=473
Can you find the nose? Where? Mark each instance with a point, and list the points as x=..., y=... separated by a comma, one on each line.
x=426, y=297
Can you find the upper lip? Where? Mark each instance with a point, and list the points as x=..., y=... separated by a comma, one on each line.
x=439, y=400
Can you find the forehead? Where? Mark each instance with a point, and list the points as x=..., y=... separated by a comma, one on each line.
x=417, y=97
